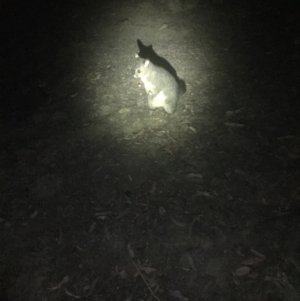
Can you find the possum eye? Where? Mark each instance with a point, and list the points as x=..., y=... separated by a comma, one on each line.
x=138, y=71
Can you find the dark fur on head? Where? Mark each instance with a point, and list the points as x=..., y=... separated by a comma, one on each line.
x=147, y=52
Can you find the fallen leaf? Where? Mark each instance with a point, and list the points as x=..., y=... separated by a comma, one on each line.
x=231, y=124
x=177, y=223
x=191, y=261
x=204, y=193
x=236, y=281
x=192, y=129
x=242, y=271
x=130, y=251
x=153, y=284
x=147, y=270
x=153, y=188
x=124, y=213
x=258, y=254
x=239, y=251
x=123, y=274
x=164, y=26
x=71, y=295
x=91, y=289
x=93, y=226
x=161, y=210
x=194, y=175
x=65, y=280
x=34, y=214
x=103, y=215
x=177, y=294
x=229, y=113
x=252, y=261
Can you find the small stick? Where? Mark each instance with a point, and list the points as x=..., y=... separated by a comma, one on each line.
x=139, y=271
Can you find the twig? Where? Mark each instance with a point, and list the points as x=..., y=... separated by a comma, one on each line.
x=139, y=271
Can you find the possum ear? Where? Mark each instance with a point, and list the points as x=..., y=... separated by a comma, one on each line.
x=137, y=55
x=146, y=63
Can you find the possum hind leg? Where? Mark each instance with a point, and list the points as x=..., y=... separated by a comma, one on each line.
x=170, y=106
x=159, y=100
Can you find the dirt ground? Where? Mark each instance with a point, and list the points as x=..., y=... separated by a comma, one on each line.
x=105, y=199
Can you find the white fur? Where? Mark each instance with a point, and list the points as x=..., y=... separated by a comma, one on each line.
x=159, y=100
x=148, y=85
